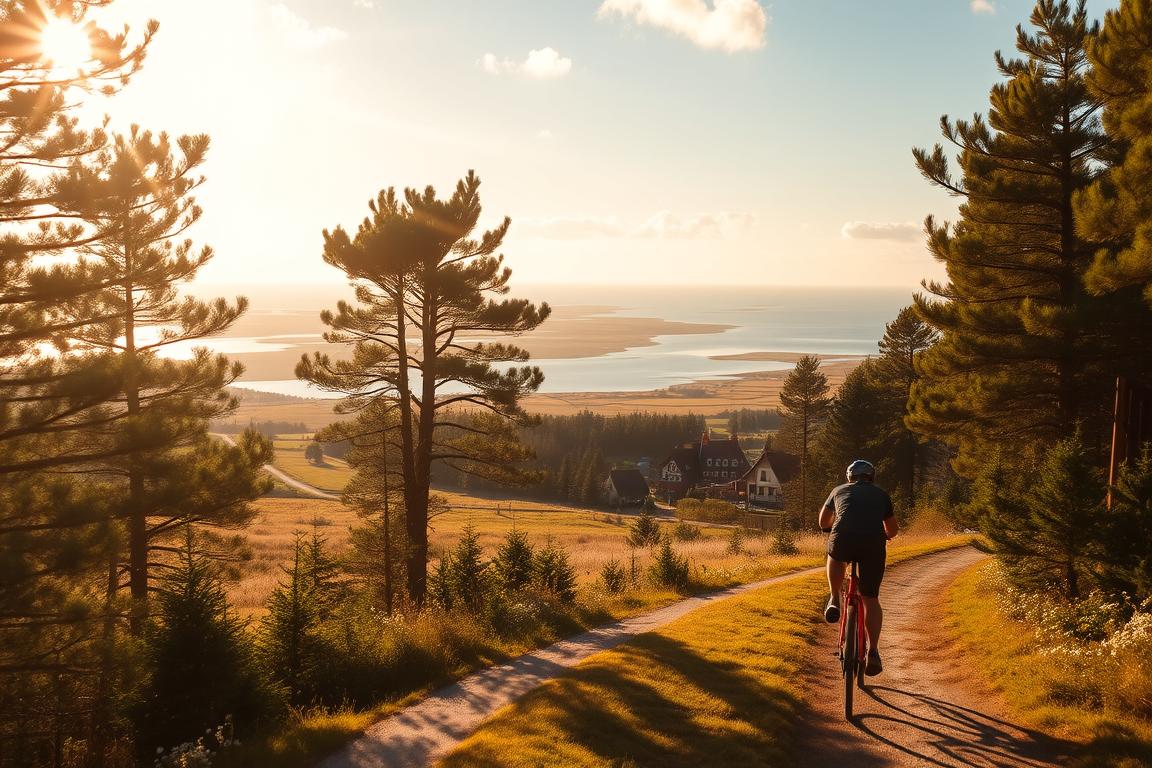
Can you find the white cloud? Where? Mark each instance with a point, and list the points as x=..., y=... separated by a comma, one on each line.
x=365, y=4
x=730, y=25
x=545, y=63
x=904, y=231
x=545, y=135
x=721, y=225
x=540, y=64
x=983, y=6
x=298, y=32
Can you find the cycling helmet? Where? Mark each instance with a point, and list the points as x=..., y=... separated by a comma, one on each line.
x=861, y=469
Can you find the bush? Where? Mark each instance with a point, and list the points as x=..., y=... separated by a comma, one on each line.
x=555, y=574
x=736, y=541
x=200, y=661
x=784, y=540
x=686, y=531
x=708, y=511
x=613, y=577
x=669, y=569
x=645, y=531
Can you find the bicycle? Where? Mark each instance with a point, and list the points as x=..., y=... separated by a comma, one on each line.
x=852, y=645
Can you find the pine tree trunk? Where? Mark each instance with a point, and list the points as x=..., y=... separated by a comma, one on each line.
x=415, y=507
x=137, y=513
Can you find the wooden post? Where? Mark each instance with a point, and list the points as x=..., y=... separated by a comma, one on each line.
x=1120, y=415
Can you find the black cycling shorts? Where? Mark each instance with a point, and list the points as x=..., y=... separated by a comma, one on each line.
x=869, y=554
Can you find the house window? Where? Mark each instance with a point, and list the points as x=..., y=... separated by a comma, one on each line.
x=763, y=475
x=709, y=462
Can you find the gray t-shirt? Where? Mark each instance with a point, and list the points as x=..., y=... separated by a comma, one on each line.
x=861, y=509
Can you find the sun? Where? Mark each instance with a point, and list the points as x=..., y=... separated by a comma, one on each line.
x=65, y=44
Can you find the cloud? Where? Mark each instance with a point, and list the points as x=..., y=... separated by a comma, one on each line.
x=729, y=25
x=545, y=135
x=721, y=225
x=881, y=230
x=365, y=4
x=540, y=64
x=983, y=6
x=298, y=32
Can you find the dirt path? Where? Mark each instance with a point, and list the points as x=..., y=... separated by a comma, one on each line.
x=923, y=710
x=423, y=733
x=287, y=479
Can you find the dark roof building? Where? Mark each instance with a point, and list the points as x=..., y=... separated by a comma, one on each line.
x=706, y=462
x=764, y=481
x=626, y=486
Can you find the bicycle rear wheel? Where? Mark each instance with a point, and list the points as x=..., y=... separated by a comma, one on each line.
x=848, y=659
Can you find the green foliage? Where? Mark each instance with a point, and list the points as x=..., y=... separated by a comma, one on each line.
x=467, y=571
x=613, y=577
x=1046, y=528
x=685, y=531
x=708, y=511
x=515, y=561
x=784, y=538
x=314, y=453
x=1023, y=352
x=1116, y=211
x=736, y=540
x=554, y=573
x=644, y=531
x=1129, y=545
x=668, y=568
x=804, y=404
x=418, y=255
x=291, y=643
x=201, y=666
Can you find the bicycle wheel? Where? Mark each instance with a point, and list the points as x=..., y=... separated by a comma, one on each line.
x=848, y=659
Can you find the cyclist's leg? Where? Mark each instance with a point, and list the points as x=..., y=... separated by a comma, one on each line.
x=871, y=575
x=835, y=570
x=836, y=565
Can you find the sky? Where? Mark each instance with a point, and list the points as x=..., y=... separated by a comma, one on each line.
x=638, y=142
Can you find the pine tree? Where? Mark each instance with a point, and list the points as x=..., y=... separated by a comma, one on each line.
x=1128, y=544
x=468, y=572
x=854, y=426
x=644, y=531
x=1047, y=529
x=564, y=477
x=804, y=403
x=554, y=572
x=201, y=662
x=669, y=569
x=1116, y=211
x=137, y=196
x=515, y=561
x=290, y=642
x=423, y=284
x=1022, y=345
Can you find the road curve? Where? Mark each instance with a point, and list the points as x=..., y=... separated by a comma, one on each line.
x=926, y=709
x=287, y=479
x=419, y=735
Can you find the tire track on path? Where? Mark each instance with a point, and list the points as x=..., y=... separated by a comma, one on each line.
x=927, y=708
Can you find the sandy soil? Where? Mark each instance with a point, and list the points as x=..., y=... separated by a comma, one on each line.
x=925, y=709
x=571, y=332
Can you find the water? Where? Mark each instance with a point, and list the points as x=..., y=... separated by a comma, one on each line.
x=826, y=321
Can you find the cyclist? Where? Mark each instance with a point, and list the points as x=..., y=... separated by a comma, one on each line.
x=859, y=516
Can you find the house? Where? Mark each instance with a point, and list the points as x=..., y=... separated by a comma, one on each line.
x=626, y=486
x=764, y=480
x=708, y=462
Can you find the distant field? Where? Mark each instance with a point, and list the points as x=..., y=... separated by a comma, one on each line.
x=330, y=476
x=591, y=538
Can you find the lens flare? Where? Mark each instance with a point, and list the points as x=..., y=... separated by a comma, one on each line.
x=65, y=45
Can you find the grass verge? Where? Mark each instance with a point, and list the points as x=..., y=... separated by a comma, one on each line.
x=717, y=687
x=1057, y=691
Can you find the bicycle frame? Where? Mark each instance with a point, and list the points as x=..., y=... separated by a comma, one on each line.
x=852, y=668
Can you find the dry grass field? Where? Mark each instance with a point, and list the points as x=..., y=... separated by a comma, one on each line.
x=591, y=538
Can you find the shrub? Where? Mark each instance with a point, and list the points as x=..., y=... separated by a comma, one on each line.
x=669, y=569
x=784, y=540
x=200, y=660
x=686, y=531
x=645, y=531
x=736, y=541
x=613, y=577
x=515, y=561
x=555, y=574
x=314, y=453
x=708, y=510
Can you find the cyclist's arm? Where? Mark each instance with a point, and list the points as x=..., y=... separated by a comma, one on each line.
x=891, y=527
x=827, y=517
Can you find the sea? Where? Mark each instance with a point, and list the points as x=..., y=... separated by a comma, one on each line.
x=825, y=321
